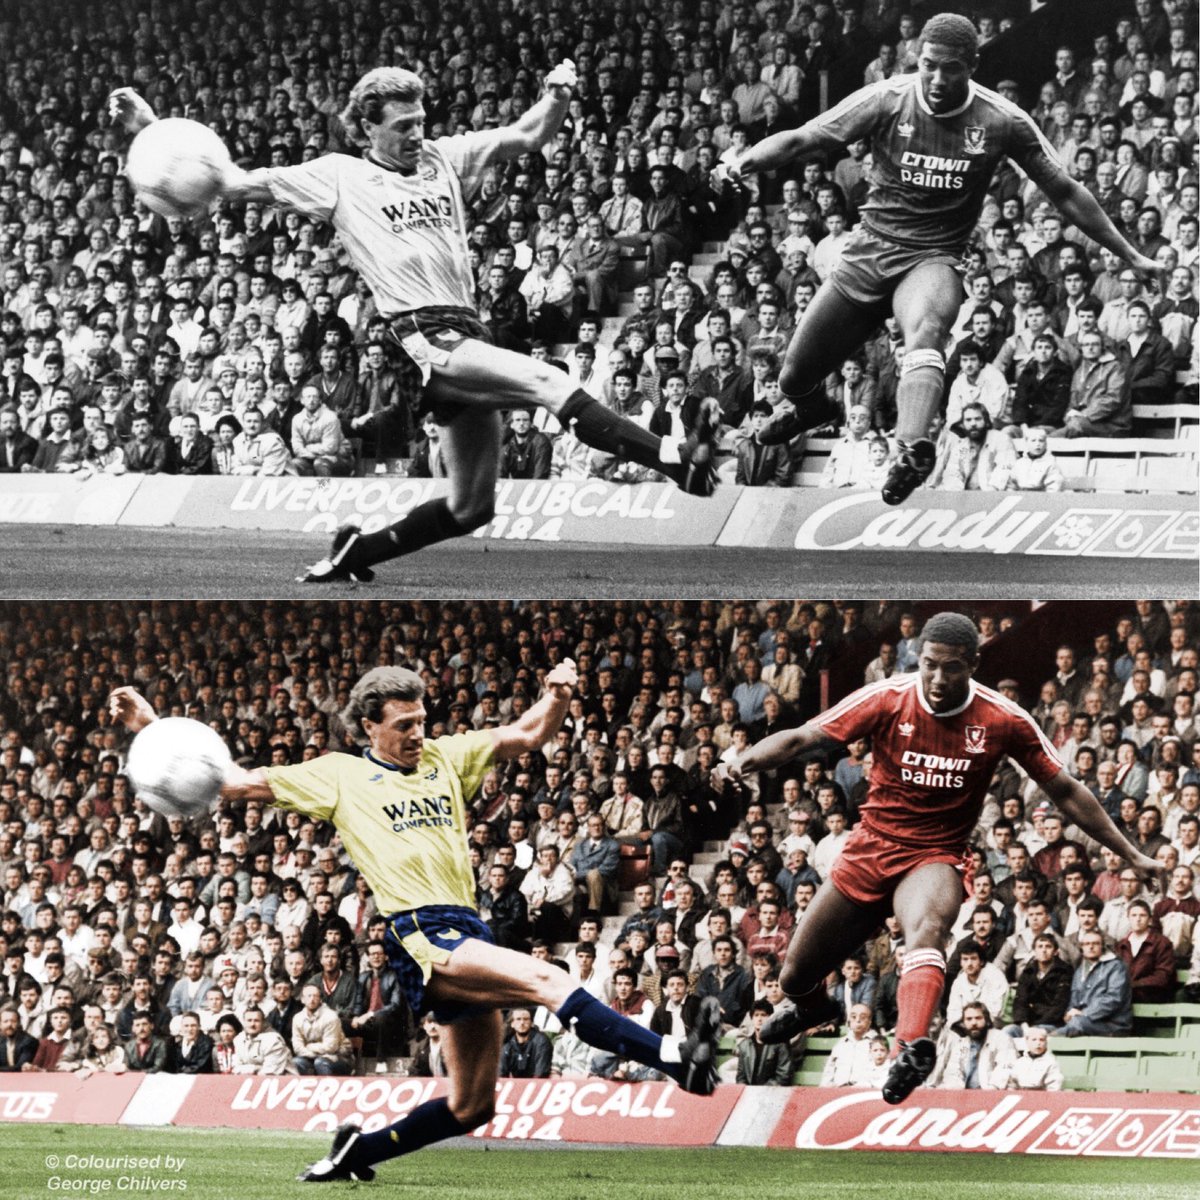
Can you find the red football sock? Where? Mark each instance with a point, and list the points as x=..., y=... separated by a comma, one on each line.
x=922, y=981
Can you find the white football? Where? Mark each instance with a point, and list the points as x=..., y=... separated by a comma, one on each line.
x=177, y=166
x=177, y=766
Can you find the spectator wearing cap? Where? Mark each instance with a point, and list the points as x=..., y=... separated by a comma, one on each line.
x=760, y=465
x=258, y=449
x=145, y=453
x=665, y=954
x=318, y=445
x=145, y=1050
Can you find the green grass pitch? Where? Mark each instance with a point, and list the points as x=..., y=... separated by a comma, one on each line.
x=229, y=1165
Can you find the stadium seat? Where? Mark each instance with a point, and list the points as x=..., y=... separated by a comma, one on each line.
x=809, y=1077
x=1114, y=474
x=1170, y=1073
x=1116, y=1075
x=1163, y=1020
x=1164, y=420
x=1189, y=1039
x=1168, y=474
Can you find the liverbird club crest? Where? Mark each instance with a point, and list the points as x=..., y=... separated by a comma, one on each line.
x=975, y=736
x=974, y=139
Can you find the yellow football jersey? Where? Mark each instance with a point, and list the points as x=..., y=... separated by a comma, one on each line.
x=405, y=830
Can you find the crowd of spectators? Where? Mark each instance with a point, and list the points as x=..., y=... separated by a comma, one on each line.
x=242, y=343
x=246, y=942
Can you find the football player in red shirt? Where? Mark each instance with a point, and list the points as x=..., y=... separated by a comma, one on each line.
x=936, y=139
x=936, y=737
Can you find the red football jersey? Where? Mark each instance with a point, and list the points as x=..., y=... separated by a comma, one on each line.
x=932, y=770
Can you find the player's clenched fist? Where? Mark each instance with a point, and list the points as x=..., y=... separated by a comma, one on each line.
x=562, y=680
x=128, y=109
x=563, y=76
x=726, y=773
x=130, y=708
x=729, y=166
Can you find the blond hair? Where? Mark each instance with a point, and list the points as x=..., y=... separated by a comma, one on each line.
x=372, y=92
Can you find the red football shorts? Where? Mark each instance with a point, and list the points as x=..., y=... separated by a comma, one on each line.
x=870, y=866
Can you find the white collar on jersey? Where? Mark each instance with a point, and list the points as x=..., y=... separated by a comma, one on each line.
x=954, y=711
x=387, y=166
x=953, y=112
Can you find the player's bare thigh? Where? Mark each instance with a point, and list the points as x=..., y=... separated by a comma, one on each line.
x=480, y=973
x=479, y=374
x=926, y=902
x=833, y=926
x=925, y=303
x=831, y=328
x=471, y=1048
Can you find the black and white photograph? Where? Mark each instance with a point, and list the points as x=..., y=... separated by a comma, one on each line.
x=633, y=299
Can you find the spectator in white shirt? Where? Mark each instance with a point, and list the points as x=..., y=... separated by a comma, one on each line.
x=849, y=1062
x=830, y=846
x=977, y=383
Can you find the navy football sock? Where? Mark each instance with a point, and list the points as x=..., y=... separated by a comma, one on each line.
x=427, y=523
x=603, y=429
x=427, y=1123
x=602, y=1027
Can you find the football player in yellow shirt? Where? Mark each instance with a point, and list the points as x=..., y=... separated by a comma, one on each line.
x=401, y=810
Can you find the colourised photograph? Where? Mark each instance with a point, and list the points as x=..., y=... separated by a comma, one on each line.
x=500, y=897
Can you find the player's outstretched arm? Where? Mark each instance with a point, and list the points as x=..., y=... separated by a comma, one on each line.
x=1081, y=208
x=772, y=751
x=780, y=149
x=535, y=128
x=130, y=111
x=243, y=186
x=128, y=706
x=241, y=785
x=536, y=727
x=1077, y=804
